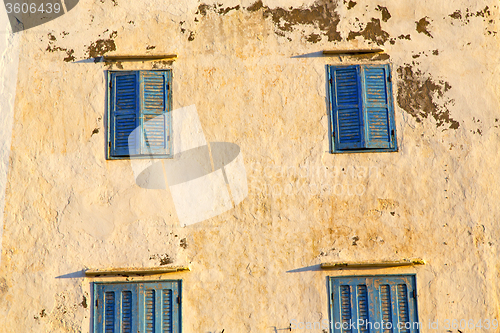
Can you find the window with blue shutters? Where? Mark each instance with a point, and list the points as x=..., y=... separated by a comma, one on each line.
x=138, y=307
x=361, y=109
x=364, y=304
x=139, y=117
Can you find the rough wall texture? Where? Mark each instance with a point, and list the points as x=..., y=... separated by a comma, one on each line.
x=255, y=75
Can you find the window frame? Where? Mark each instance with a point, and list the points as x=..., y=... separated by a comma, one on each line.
x=362, y=99
x=138, y=315
x=139, y=95
x=373, y=298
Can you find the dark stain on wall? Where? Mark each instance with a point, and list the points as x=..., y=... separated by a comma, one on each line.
x=422, y=26
x=417, y=93
x=373, y=31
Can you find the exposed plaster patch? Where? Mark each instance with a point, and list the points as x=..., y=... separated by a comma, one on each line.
x=422, y=26
x=417, y=95
x=372, y=31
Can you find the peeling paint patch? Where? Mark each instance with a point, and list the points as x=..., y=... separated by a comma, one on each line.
x=373, y=31
x=457, y=15
x=385, y=13
x=313, y=38
x=417, y=95
x=101, y=47
x=183, y=243
x=3, y=286
x=404, y=37
x=422, y=26
x=321, y=15
x=52, y=48
x=464, y=17
x=84, y=302
x=163, y=258
x=351, y=4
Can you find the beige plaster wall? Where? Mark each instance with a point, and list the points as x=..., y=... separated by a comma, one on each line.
x=254, y=73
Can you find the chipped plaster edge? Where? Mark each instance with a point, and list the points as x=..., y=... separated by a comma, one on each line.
x=9, y=61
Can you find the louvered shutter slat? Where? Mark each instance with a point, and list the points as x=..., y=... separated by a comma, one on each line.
x=363, y=307
x=346, y=307
x=386, y=306
x=150, y=311
x=404, y=316
x=167, y=311
x=109, y=312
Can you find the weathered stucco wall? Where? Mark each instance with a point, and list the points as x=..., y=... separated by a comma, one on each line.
x=255, y=74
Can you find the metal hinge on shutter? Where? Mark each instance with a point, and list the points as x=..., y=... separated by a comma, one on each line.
x=110, y=84
x=331, y=81
x=178, y=300
x=414, y=293
x=96, y=303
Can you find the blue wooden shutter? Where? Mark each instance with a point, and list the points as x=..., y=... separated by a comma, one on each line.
x=145, y=307
x=397, y=302
x=155, y=113
x=160, y=308
x=351, y=301
x=378, y=126
x=346, y=103
x=115, y=308
x=123, y=113
x=388, y=299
